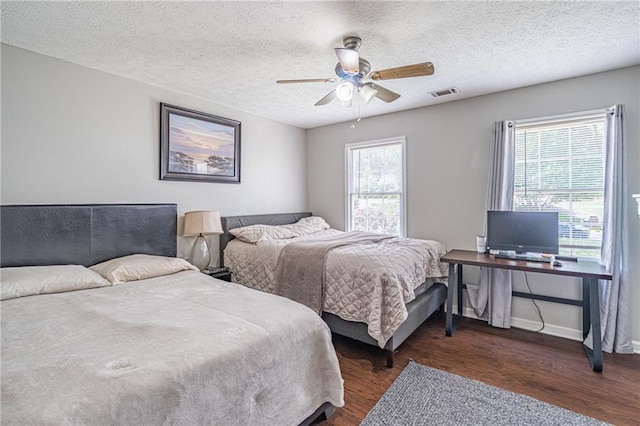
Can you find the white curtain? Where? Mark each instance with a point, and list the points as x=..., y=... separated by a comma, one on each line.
x=492, y=298
x=615, y=295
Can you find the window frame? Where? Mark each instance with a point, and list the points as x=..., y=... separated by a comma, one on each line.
x=348, y=149
x=566, y=119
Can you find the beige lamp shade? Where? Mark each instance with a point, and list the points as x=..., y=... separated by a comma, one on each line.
x=202, y=223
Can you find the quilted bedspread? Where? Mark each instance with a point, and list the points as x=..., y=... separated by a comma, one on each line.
x=369, y=283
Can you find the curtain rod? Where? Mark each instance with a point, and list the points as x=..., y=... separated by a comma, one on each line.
x=560, y=117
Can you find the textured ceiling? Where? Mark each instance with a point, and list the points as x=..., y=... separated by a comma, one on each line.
x=231, y=53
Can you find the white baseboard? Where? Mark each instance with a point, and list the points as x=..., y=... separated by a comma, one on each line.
x=550, y=329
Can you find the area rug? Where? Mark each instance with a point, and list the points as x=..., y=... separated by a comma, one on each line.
x=425, y=396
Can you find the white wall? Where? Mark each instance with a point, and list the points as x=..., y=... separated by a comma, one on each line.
x=447, y=168
x=75, y=135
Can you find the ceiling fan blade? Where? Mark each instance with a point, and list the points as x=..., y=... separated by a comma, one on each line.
x=416, y=70
x=382, y=93
x=328, y=98
x=349, y=60
x=308, y=80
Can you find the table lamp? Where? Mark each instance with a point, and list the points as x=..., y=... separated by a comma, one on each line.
x=201, y=223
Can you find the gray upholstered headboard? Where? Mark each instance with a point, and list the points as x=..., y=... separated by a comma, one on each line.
x=85, y=234
x=231, y=222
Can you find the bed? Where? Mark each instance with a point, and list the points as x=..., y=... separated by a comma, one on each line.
x=145, y=338
x=348, y=306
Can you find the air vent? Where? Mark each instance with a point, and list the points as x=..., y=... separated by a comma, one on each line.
x=443, y=92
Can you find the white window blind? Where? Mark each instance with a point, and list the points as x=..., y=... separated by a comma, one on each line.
x=375, y=186
x=559, y=166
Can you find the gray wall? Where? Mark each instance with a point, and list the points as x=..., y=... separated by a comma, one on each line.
x=447, y=167
x=75, y=135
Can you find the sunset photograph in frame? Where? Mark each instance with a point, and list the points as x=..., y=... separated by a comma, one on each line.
x=197, y=146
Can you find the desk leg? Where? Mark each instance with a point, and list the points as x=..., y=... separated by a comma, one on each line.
x=586, y=307
x=451, y=323
x=459, y=290
x=595, y=355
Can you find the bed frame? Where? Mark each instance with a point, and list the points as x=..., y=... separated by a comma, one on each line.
x=86, y=234
x=418, y=309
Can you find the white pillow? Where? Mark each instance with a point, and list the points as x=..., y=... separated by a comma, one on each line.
x=255, y=233
x=307, y=225
x=140, y=267
x=32, y=280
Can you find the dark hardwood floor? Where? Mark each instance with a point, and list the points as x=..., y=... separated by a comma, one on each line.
x=547, y=368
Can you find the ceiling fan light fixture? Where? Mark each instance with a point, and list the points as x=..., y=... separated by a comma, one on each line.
x=344, y=92
x=354, y=74
x=349, y=60
x=367, y=93
x=345, y=104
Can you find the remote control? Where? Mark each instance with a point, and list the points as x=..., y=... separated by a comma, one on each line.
x=218, y=269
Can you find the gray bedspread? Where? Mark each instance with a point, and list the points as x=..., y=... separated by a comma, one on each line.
x=369, y=283
x=300, y=273
x=181, y=349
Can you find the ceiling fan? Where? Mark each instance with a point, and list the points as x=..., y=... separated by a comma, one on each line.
x=354, y=71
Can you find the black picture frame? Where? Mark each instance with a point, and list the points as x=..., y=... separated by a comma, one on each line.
x=196, y=146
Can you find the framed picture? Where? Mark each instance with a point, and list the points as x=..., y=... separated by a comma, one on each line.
x=195, y=146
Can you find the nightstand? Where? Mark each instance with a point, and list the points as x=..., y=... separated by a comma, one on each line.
x=224, y=275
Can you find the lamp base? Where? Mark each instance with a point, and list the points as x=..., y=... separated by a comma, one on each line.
x=200, y=254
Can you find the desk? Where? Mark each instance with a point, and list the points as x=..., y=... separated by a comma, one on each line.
x=589, y=271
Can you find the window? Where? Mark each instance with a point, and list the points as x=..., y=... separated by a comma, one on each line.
x=375, y=186
x=559, y=166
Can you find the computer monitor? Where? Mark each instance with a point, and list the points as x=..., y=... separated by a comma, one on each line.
x=523, y=232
